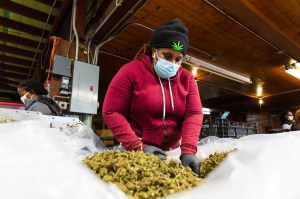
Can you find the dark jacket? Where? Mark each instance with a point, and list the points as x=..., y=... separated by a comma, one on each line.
x=43, y=104
x=133, y=108
x=296, y=127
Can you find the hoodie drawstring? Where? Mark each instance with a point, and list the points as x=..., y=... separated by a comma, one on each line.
x=164, y=97
x=171, y=95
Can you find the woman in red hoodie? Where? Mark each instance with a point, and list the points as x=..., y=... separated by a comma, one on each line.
x=153, y=104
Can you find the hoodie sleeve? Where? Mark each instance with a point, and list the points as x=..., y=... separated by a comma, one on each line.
x=192, y=122
x=116, y=107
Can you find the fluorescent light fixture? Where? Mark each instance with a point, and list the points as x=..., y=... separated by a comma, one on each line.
x=216, y=70
x=206, y=111
x=293, y=69
x=295, y=72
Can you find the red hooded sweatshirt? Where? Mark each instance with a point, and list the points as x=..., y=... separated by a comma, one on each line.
x=134, y=105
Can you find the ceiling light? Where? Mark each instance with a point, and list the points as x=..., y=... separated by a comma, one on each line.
x=259, y=91
x=206, y=111
x=292, y=69
x=216, y=70
x=260, y=101
x=194, y=72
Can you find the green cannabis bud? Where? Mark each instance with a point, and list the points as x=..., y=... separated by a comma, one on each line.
x=210, y=163
x=142, y=175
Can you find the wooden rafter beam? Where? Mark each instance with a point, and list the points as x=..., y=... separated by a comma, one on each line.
x=5, y=80
x=248, y=15
x=25, y=11
x=12, y=68
x=117, y=18
x=12, y=94
x=19, y=40
x=81, y=15
x=59, y=17
x=22, y=62
x=8, y=87
x=21, y=27
x=66, y=5
x=12, y=75
x=17, y=51
x=50, y=3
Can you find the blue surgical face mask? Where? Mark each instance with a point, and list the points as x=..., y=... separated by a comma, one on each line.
x=165, y=69
x=23, y=98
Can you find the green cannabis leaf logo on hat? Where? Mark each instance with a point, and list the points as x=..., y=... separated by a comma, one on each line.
x=177, y=47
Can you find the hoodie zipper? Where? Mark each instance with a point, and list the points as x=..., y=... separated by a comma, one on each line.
x=165, y=129
x=164, y=109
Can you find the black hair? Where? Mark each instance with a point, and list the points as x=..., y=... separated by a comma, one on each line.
x=146, y=49
x=33, y=85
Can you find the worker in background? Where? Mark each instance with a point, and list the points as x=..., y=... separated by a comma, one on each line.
x=286, y=119
x=296, y=124
x=34, y=96
x=153, y=103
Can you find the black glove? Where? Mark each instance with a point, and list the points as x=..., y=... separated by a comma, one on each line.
x=156, y=151
x=192, y=162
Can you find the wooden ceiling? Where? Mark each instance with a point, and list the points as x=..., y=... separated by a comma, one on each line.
x=250, y=37
x=254, y=38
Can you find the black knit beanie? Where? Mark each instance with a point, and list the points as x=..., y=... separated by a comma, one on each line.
x=173, y=34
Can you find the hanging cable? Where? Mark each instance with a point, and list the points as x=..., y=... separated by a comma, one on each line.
x=42, y=36
x=70, y=43
x=95, y=59
x=56, y=41
x=132, y=10
x=43, y=64
x=98, y=28
x=114, y=55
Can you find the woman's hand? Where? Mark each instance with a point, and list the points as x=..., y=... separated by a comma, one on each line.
x=156, y=151
x=191, y=161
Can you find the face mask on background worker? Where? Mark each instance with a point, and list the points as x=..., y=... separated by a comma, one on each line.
x=23, y=98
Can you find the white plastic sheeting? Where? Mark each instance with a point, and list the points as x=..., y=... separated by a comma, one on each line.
x=46, y=120
x=81, y=140
x=39, y=162
x=35, y=164
x=265, y=166
x=78, y=138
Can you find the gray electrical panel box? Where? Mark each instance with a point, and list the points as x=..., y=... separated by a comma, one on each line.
x=62, y=66
x=84, y=97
